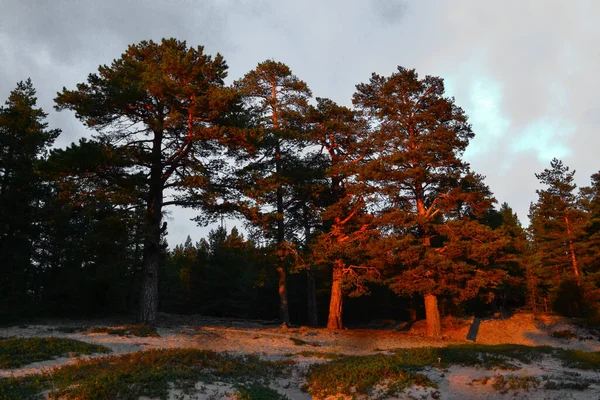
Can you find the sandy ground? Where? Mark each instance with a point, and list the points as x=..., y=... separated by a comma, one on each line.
x=274, y=342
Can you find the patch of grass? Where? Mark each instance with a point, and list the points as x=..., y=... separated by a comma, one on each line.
x=503, y=356
x=320, y=354
x=148, y=373
x=23, y=388
x=490, y=357
x=353, y=375
x=300, y=342
x=69, y=329
x=257, y=391
x=579, y=359
x=141, y=330
x=567, y=381
x=566, y=385
x=564, y=334
x=17, y=352
x=503, y=383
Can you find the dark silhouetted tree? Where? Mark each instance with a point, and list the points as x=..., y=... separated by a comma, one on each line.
x=159, y=106
x=276, y=100
x=24, y=142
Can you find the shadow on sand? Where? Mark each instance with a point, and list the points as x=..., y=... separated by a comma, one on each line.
x=474, y=329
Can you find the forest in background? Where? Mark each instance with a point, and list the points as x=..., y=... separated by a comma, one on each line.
x=352, y=214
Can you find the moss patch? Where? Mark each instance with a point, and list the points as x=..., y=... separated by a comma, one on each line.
x=149, y=373
x=128, y=330
x=15, y=352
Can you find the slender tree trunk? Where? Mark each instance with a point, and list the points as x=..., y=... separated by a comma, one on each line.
x=311, y=289
x=572, y=251
x=532, y=290
x=313, y=316
x=334, y=321
x=284, y=312
x=151, y=255
x=432, y=312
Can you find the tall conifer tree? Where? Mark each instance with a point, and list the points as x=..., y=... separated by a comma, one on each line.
x=159, y=105
x=425, y=198
x=345, y=227
x=276, y=100
x=24, y=142
x=557, y=223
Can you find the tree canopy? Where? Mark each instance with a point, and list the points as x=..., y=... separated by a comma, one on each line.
x=160, y=107
x=352, y=212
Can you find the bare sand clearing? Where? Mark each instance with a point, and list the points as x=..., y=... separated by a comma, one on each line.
x=276, y=342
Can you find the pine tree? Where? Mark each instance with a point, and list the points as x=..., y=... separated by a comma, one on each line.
x=159, y=105
x=345, y=230
x=425, y=198
x=589, y=203
x=24, y=142
x=557, y=230
x=556, y=222
x=276, y=100
x=514, y=260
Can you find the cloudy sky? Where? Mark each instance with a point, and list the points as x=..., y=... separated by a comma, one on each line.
x=526, y=72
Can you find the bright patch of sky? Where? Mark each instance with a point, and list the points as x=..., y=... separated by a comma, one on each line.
x=547, y=137
x=485, y=114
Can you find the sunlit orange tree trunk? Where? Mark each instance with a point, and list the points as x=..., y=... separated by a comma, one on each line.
x=425, y=198
x=345, y=230
x=159, y=106
x=276, y=101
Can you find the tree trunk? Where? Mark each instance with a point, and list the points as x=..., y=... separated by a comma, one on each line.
x=334, y=320
x=313, y=316
x=151, y=258
x=432, y=314
x=151, y=255
x=572, y=251
x=284, y=312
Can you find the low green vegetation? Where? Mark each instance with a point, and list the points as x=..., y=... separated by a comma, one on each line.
x=22, y=388
x=153, y=373
x=16, y=352
x=502, y=356
x=257, y=391
x=564, y=334
x=141, y=330
x=579, y=359
x=300, y=342
x=320, y=354
x=359, y=375
x=149, y=373
x=351, y=375
x=504, y=383
x=568, y=380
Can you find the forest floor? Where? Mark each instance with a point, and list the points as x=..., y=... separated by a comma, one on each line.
x=309, y=346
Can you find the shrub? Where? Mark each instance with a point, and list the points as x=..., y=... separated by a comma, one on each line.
x=141, y=330
x=15, y=352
